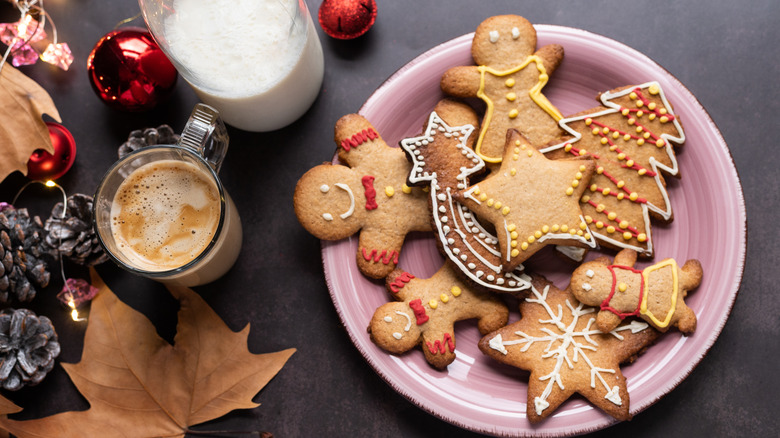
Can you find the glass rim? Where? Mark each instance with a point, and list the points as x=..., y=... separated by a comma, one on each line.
x=168, y=272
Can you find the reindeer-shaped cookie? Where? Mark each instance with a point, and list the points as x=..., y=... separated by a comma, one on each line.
x=369, y=195
x=427, y=311
x=655, y=294
x=509, y=76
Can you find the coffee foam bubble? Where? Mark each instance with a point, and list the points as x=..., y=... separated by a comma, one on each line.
x=165, y=214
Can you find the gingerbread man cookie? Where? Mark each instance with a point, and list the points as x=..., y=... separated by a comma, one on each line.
x=444, y=161
x=426, y=312
x=509, y=78
x=630, y=137
x=655, y=294
x=369, y=195
x=531, y=201
x=557, y=341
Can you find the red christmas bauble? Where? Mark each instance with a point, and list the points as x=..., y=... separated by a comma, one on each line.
x=347, y=19
x=44, y=166
x=129, y=71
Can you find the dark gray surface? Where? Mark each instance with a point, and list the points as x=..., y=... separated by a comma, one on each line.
x=725, y=52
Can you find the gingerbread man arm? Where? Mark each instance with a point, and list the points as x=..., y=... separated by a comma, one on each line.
x=378, y=251
x=626, y=257
x=607, y=321
x=461, y=81
x=356, y=139
x=551, y=55
x=439, y=345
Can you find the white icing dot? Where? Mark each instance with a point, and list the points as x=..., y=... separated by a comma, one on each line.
x=398, y=335
x=456, y=251
x=515, y=33
x=444, y=219
x=324, y=188
x=441, y=197
x=450, y=240
x=586, y=287
x=442, y=209
x=388, y=319
x=446, y=229
x=491, y=277
x=493, y=36
x=327, y=216
x=472, y=266
x=479, y=274
x=500, y=281
x=464, y=257
x=590, y=273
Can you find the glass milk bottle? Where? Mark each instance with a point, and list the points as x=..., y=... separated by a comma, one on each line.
x=259, y=62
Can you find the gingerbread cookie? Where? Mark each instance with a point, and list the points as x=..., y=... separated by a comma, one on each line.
x=426, y=312
x=509, y=78
x=557, y=341
x=630, y=137
x=444, y=161
x=369, y=195
x=656, y=294
x=531, y=201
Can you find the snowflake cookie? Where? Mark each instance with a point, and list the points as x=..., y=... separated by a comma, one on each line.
x=426, y=312
x=558, y=342
x=368, y=195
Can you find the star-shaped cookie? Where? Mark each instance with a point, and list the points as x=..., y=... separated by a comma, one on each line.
x=557, y=341
x=532, y=201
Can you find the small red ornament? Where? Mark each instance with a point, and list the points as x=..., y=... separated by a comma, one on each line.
x=347, y=19
x=129, y=71
x=44, y=166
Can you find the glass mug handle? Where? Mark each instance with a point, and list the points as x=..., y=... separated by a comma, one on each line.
x=205, y=133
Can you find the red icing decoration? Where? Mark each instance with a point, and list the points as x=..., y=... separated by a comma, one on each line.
x=400, y=281
x=359, y=138
x=419, y=311
x=441, y=346
x=368, y=184
x=605, y=304
x=385, y=257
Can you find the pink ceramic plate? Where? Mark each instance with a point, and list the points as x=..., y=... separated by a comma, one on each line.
x=710, y=225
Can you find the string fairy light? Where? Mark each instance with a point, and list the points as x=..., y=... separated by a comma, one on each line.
x=68, y=294
x=19, y=37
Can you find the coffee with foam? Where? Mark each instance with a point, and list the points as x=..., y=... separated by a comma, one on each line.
x=165, y=214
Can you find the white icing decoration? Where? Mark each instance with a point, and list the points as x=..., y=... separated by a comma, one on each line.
x=397, y=335
x=493, y=36
x=515, y=33
x=324, y=188
x=587, y=287
x=572, y=252
x=408, y=320
x=388, y=319
x=351, y=209
x=327, y=216
x=590, y=273
x=607, y=100
x=560, y=338
x=496, y=344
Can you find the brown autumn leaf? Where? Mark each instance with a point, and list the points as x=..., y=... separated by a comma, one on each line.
x=7, y=407
x=139, y=385
x=22, y=131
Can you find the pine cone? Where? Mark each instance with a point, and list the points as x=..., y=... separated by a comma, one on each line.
x=22, y=238
x=137, y=139
x=28, y=347
x=74, y=236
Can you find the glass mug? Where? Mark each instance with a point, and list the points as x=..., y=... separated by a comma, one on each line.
x=259, y=62
x=161, y=212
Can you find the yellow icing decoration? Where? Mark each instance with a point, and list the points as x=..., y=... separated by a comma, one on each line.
x=524, y=246
x=389, y=191
x=535, y=93
x=627, y=235
x=511, y=97
x=673, y=302
x=406, y=189
x=515, y=252
x=433, y=304
x=444, y=298
x=622, y=287
x=455, y=291
x=513, y=113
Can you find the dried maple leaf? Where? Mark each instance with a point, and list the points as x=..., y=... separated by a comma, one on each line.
x=22, y=103
x=139, y=385
x=7, y=407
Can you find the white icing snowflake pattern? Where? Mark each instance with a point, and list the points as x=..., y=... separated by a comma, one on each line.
x=566, y=345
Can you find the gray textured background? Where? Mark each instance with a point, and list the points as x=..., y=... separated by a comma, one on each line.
x=724, y=51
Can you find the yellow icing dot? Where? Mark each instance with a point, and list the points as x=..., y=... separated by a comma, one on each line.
x=545, y=229
x=389, y=191
x=515, y=157
x=583, y=152
x=651, y=105
x=588, y=219
x=513, y=235
x=604, y=140
x=612, y=216
x=564, y=228
x=627, y=137
x=664, y=119
x=579, y=232
x=642, y=237
x=444, y=298
x=583, y=226
x=639, y=129
x=627, y=235
x=640, y=104
x=640, y=113
x=524, y=246
x=513, y=243
x=477, y=191
x=595, y=131
x=632, y=95
x=490, y=202
x=599, y=224
x=511, y=227
x=621, y=195
x=623, y=224
x=517, y=150
x=610, y=229
x=605, y=130
x=555, y=228
x=585, y=198
x=567, y=148
x=531, y=239
x=578, y=175
x=406, y=189
x=622, y=287
x=530, y=153
x=575, y=183
x=513, y=113
x=659, y=142
x=505, y=211
x=569, y=191
x=662, y=111
x=497, y=205
x=517, y=143
x=642, y=171
x=654, y=89
x=613, y=148
x=631, y=121
x=640, y=141
x=615, y=135
x=455, y=291
x=515, y=252
x=587, y=236
x=646, y=135
x=651, y=116
x=630, y=163
x=510, y=82
x=511, y=97
x=606, y=191
x=625, y=111
x=621, y=156
x=599, y=170
x=537, y=234
x=588, y=121
x=633, y=196
x=513, y=171
x=482, y=197
x=433, y=304
x=573, y=231
x=600, y=208
x=582, y=169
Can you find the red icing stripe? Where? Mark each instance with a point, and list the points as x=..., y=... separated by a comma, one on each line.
x=441, y=346
x=605, y=304
x=385, y=256
x=368, y=185
x=400, y=281
x=359, y=138
x=419, y=311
